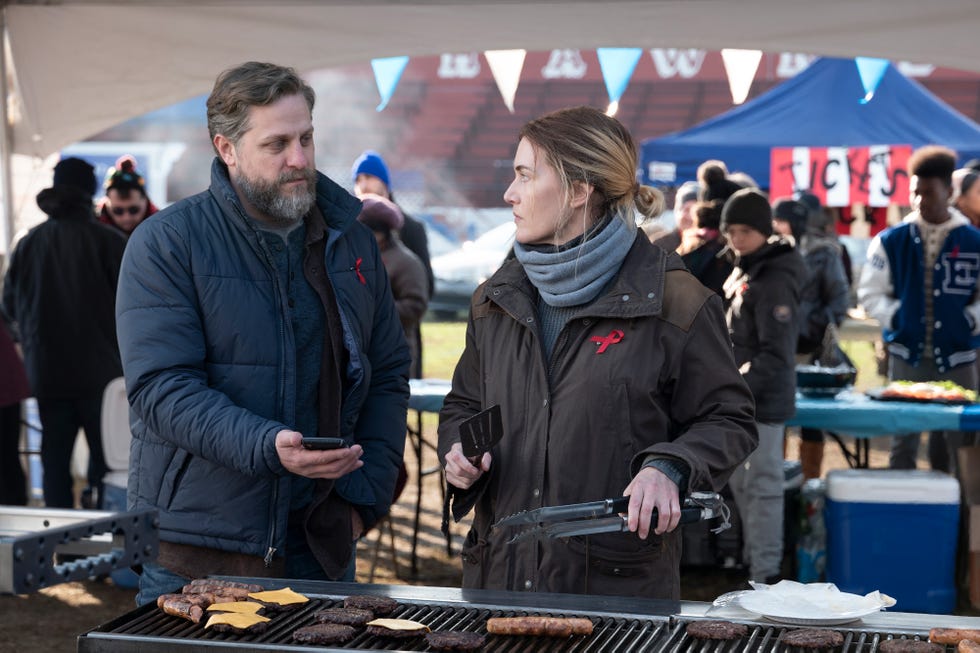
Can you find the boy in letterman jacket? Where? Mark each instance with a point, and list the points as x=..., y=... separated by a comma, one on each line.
x=920, y=283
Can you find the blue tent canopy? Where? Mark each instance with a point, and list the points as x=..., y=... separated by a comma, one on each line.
x=820, y=107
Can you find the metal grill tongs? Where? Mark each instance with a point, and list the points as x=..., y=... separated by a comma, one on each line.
x=606, y=516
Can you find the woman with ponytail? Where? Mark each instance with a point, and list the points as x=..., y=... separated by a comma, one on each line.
x=612, y=367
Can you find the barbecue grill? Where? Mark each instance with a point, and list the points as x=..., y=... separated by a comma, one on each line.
x=621, y=624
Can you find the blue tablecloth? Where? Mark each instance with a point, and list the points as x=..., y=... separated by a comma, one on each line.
x=851, y=413
x=855, y=414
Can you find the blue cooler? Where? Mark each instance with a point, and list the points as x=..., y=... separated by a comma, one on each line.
x=894, y=531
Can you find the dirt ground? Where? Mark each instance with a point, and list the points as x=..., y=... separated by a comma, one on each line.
x=51, y=619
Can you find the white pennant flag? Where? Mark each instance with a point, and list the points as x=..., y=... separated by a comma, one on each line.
x=387, y=73
x=506, y=66
x=740, y=66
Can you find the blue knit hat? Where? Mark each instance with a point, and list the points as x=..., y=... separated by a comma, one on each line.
x=371, y=163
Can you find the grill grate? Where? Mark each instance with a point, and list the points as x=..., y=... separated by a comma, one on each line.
x=764, y=638
x=620, y=626
x=156, y=631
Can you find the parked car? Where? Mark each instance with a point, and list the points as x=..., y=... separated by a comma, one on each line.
x=460, y=271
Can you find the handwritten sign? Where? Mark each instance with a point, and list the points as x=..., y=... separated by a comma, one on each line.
x=875, y=175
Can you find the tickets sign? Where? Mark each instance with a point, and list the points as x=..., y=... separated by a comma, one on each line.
x=875, y=175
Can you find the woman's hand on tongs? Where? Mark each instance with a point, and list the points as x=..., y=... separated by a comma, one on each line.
x=650, y=489
x=460, y=471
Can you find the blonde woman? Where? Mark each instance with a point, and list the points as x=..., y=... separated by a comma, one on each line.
x=612, y=367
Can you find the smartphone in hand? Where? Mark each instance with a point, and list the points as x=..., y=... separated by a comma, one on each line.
x=324, y=443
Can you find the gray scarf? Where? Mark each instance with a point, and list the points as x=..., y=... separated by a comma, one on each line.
x=575, y=273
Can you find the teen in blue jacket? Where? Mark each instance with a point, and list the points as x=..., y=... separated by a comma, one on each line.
x=250, y=315
x=920, y=283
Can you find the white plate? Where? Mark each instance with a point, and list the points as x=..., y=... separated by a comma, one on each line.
x=816, y=604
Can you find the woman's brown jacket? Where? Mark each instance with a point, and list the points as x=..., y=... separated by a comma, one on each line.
x=667, y=385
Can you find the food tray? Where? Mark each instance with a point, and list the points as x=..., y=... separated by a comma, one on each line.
x=875, y=393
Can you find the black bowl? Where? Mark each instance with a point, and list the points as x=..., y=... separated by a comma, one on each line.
x=814, y=376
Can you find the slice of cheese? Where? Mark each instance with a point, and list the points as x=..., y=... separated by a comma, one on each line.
x=398, y=624
x=243, y=607
x=284, y=596
x=236, y=619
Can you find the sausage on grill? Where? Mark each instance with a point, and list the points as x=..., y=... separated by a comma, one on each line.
x=953, y=635
x=546, y=626
x=180, y=607
x=212, y=584
x=218, y=591
x=967, y=646
x=201, y=600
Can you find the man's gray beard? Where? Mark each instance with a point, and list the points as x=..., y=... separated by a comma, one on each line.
x=270, y=199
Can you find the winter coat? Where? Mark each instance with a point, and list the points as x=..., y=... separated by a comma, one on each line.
x=668, y=387
x=207, y=345
x=891, y=291
x=60, y=293
x=409, y=288
x=763, y=294
x=824, y=296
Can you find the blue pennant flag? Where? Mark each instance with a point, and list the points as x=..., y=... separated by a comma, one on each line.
x=617, y=66
x=871, y=71
x=387, y=74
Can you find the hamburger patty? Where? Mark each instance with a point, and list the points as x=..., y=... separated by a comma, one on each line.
x=910, y=646
x=716, y=630
x=324, y=634
x=349, y=616
x=379, y=605
x=812, y=638
x=450, y=641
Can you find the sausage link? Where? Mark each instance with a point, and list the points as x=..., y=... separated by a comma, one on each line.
x=215, y=583
x=546, y=626
x=184, y=609
x=953, y=635
x=967, y=646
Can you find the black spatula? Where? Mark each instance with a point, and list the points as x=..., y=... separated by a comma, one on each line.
x=479, y=433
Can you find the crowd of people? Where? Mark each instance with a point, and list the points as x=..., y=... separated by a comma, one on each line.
x=626, y=359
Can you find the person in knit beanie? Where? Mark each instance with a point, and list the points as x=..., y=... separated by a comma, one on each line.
x=126, y=203
x=763, y=297
x=748, y=207
x=370, y=175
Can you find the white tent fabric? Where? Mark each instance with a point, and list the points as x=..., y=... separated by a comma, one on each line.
x=83, y=66
x=80, y=66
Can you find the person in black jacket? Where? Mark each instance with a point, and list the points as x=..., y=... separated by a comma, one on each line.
x=60, y=291
x=823, y=300
x=370, y=175
x=763, y=294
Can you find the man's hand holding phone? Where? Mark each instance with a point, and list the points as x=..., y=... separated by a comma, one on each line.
x=317, y=457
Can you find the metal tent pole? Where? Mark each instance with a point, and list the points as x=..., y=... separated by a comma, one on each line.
x=6, y=142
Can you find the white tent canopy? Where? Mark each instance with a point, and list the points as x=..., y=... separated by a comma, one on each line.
x=81, y=66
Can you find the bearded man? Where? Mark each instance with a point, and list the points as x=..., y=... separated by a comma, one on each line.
x=250, y=316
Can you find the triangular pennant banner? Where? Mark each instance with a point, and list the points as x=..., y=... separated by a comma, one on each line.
x=740, y=66
x=387, y=74
x=506, y=66
x=871, y=71
x=617, y=65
